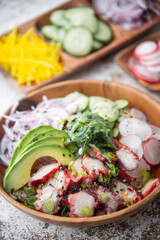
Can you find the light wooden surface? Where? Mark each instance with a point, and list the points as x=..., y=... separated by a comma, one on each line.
x=120, y=38
x=14, y=224
x=123, y=56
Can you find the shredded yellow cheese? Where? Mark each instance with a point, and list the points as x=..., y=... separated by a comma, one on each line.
x=28, y=58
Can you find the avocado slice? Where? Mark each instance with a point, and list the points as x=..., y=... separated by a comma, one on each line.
x=46, y=140
x=33, y=136
x=19, y=173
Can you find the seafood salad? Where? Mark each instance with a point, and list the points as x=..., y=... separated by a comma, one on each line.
x=79, y=156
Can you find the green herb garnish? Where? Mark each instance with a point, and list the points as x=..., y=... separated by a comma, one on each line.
x=129, y=202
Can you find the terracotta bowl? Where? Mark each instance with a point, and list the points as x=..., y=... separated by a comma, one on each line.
x=112, y=90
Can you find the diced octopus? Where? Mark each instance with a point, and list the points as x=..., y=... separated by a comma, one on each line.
x=108, y=199
x=47, y=195
x=78, y=201
x=150, y=186
x=60, y=181
x=43, y=174
x=94, y=167
x=78, y=172
x=126, y=192
x=126, y=156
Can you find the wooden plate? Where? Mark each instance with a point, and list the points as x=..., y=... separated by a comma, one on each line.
x=123, y=56
x=120, y=38
x=112, y=90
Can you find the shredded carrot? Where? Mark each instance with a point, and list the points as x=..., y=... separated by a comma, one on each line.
x=28, y=58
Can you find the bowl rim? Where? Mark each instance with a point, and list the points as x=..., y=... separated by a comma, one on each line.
x=86, y=221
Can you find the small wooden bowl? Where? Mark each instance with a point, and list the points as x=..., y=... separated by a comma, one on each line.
x=112, y=90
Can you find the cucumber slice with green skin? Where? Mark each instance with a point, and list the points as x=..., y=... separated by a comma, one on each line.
x=61, y=34
x=50, y=32
x=95, y=100
x=57, y=18
x=29, y=136
x=97, y=45
x=19, y=173
x=110, y=114
x=121, y=103
x=78, y=98
x=82, y=16
x=115, y=132
x=78, y=41
x=104, y=33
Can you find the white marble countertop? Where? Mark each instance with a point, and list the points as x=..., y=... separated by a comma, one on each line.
x=18, y=226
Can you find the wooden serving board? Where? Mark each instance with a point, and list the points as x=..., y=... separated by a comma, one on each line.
x=123, y=57
x=72, y=64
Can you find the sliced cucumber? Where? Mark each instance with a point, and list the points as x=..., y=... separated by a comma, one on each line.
x=110, y=114
x=121, y=103
x=78, y=98
x=97, y=45
x=104, y=33
x=61, y=34
x=82, y=16
x=94, y=100
x=58, y=19
x=50, y=32
x=78, y=41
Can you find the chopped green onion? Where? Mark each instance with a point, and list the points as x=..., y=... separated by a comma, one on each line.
x=49, y=205
x=146, y=176
x=103, y=196
x=129, y=202
x=65, y=211
x=85, y=185
x=71, y=167
x=110, y=155
x=30, y=191
x=83, y=172
x=87, y=211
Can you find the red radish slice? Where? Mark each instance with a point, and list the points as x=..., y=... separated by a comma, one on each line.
x=155, y=55
x=155, y=132
x=153, y=62
x=142, y=166
x=145, y=48
x=152, y=152
x=134, y=143
x=154, y=69
x=142, y=73
x=138, y=114
x=43, y=174
x=150, y=186
x=134, y=126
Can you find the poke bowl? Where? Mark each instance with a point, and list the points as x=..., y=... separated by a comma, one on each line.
x=122, y=95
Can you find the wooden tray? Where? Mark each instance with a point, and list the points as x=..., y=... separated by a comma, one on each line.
x=122, y=59
x=120, y=38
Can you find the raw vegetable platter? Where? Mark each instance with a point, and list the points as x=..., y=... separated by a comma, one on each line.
x=111, y=90
x=122, y=58
x=72, y=64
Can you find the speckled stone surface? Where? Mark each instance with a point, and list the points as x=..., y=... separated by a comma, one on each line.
x=14, y=224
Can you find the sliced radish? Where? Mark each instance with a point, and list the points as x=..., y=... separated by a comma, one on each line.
x=150, y=186
x=153, y=62
x=138, y=114
x=145, y=48
x=154, y=69
x=155, y=55
x=142, y=73
x=152, y=152
x=134, y=143
x=43, y=174
x=142, y=166
x=134, y=126
x=155, y=132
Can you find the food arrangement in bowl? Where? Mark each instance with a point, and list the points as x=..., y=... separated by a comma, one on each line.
x=104, y=153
